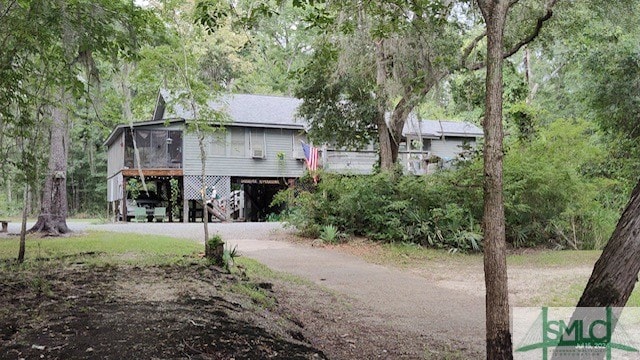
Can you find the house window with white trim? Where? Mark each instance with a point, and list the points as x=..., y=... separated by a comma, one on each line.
x=218, y=144
x=237, y=142
x=257, y=143
x=426, y=145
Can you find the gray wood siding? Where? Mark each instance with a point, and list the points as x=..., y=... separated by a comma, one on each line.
x=115, y=156
x=115, y=188
x=447, y=148
x=276, y=141
x=350, y=162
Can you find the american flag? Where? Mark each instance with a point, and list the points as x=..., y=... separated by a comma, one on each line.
x=311, y=155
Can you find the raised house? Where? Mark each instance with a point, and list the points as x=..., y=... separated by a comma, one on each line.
x=256, y=154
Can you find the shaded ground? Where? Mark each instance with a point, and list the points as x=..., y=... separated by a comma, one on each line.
x=140, y=313
x=354, y=302
x=434, y=317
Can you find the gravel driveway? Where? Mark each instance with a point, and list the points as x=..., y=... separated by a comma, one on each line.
x=408, y=303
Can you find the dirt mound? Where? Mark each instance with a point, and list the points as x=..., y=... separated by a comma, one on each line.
x=138, y=313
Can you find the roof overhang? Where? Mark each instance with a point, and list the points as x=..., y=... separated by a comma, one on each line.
x=120, y=128
x=266, y=125
x=463, y=134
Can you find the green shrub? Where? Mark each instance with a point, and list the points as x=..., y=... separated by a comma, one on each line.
x=214, y=250
x=229, y=256
x=552, y=197
x=384, y=207
x=330, y=234
x=273, y=217
x=215, y=241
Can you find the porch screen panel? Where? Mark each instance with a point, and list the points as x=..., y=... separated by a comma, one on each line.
x=154, y=149
x=143, y=143
x=175, y=149
x=128, y=150
x=159, y=156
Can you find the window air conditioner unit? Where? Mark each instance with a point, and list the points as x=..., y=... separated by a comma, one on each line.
x=257, y=153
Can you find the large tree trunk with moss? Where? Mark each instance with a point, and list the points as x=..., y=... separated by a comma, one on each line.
x=495, y=265
x=53, y=210
x=386, y=143
x=616, y=272
x=385, y=140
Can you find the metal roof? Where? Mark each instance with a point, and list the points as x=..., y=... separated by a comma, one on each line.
x=439, y=128
x=265, y=111
x=270, y=111
x=249, y=110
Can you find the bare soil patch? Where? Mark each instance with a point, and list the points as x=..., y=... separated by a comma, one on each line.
x=171, y=312
x=188, y=312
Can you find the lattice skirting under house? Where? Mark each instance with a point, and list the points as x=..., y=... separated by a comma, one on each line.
x=193, y=186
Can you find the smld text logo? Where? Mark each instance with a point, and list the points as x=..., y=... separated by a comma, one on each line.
x=576, y=333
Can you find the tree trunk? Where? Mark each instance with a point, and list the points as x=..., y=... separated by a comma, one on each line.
x=53, y=211
x=9, y=195
x=390, y=134
x=125, y=72
x=616, y=271
x=385, y=141
x=29, y=207
x=385, y=135
x=23, y=227
x=208, y=252
x=495, y=265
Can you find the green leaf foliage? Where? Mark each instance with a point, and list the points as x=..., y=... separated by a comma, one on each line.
x=552, y=198
x=384, y=207
x=334, y=104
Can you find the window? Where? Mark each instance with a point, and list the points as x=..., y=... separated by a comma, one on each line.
x=237, y=142
x=218, y=144
x=296, y=146
x=256, y=141
x=414, y=143
x=418, y=144
x=426, y=144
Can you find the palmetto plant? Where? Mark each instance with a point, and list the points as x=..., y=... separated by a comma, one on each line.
x=329, y=234
x=228, y=257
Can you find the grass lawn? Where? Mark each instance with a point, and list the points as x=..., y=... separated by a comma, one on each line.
x=100, y=248
x=407, y=254
x=120, y=296
x=568, y=294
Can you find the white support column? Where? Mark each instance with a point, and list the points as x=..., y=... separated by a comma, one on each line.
x=185, y=210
